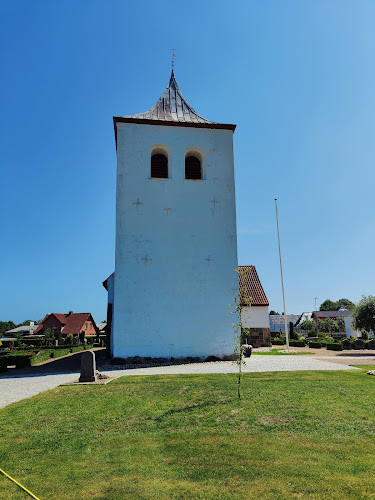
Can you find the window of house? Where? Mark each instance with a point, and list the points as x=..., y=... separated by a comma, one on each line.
x=85, y=326
x=159, y=166
x=193, y=167
x=90, y=326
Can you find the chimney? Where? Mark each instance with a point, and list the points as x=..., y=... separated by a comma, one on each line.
x=70, y=313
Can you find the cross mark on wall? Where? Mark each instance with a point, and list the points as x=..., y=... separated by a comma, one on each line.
x=146, y=259
x=209, y=260
x=214, y=180
x=137, y=203
x=215, y=202
x=167, y=210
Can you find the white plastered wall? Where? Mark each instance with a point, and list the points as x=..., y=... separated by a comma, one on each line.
x=176, y=245
x=255, y=317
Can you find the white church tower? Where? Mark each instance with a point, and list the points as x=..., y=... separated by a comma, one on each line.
x=176, y=242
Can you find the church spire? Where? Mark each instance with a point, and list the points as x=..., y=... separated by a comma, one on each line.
x=171, y=107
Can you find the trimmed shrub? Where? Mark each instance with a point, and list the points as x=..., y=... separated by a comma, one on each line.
x=3, y=367
x=297, y=343
x=334, y=347
x=278, y=342
x=78, y=348
x=22, y=361
x=315, y=345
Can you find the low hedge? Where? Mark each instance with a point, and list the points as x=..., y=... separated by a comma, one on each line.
x=3, y=367
x=315, y=345
x=297, y=343
x=334, y=347
x=77, y=348
x=41, y=356
x=277, y=342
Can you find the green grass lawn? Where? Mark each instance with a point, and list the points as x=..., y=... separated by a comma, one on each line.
x=277, y=352
x=294, y=435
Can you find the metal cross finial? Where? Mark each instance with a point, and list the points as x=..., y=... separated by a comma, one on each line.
x=174, y=57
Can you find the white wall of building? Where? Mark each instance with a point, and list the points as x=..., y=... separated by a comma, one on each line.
x=255, y=317
x=349, y=328
x=176, y=244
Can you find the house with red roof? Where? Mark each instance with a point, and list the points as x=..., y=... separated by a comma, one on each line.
x=73, y=323
x=254, y=314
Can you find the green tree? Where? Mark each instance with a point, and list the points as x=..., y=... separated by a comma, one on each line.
x=328, y=305
x=27, y=322
x=364, y=314
x=49, y=336
x=6, y=325
x=308, y=325
x=346, y=304
x=273, y=313
x=331, y=326
x=340, y=324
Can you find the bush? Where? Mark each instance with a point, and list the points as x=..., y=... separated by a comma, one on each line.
x=22, y=361
x=315, y=345
x=334, y=347
x=3, y=367
x=297, y=343
x=277, y=342
x=77, y=348
x=311, y=333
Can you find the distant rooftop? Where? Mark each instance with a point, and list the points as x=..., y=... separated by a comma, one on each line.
x=278, y=319
x=251, y=290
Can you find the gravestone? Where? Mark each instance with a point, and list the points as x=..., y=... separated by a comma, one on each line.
x=88, y=367
x=359, y=344
x=346, y=344
x=247, y=348
x=371, y=344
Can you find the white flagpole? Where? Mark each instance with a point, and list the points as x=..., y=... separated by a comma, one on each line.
x=282, y=280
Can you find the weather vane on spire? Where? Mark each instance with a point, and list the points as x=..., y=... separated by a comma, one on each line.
x=174, y=57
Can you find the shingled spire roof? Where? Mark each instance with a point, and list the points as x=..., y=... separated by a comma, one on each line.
x=172, y=106
x=172, y=109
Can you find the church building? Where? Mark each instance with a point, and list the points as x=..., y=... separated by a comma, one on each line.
x=176, y=241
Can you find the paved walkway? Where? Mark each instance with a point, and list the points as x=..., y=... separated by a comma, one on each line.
x=16, y=385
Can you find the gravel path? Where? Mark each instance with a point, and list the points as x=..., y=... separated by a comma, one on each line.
x=254, y=364
x=31, y=381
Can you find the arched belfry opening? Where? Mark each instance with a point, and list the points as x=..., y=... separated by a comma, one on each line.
x=193, y=167
x=159, y=166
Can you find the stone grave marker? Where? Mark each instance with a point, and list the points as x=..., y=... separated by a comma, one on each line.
x=88, y=367
x=371, y=344
x=346, y=344
x=359, y=344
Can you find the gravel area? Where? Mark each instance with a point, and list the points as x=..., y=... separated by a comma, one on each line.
x=254, y=364
x=16, y=387
x=26, y=383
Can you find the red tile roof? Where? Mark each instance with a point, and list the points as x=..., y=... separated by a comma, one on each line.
x=70, y=323
x=251, y=290
x=75, y=323
x=60, y=317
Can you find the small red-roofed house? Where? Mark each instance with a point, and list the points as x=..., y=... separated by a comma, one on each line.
x=255, y=304
x=73, y=323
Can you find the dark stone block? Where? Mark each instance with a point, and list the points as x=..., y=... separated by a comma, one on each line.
x=88, y=367
x=346, y=344
x=359, y=344
x=212, y=358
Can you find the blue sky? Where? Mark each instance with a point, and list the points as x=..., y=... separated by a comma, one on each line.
x=298, y=79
